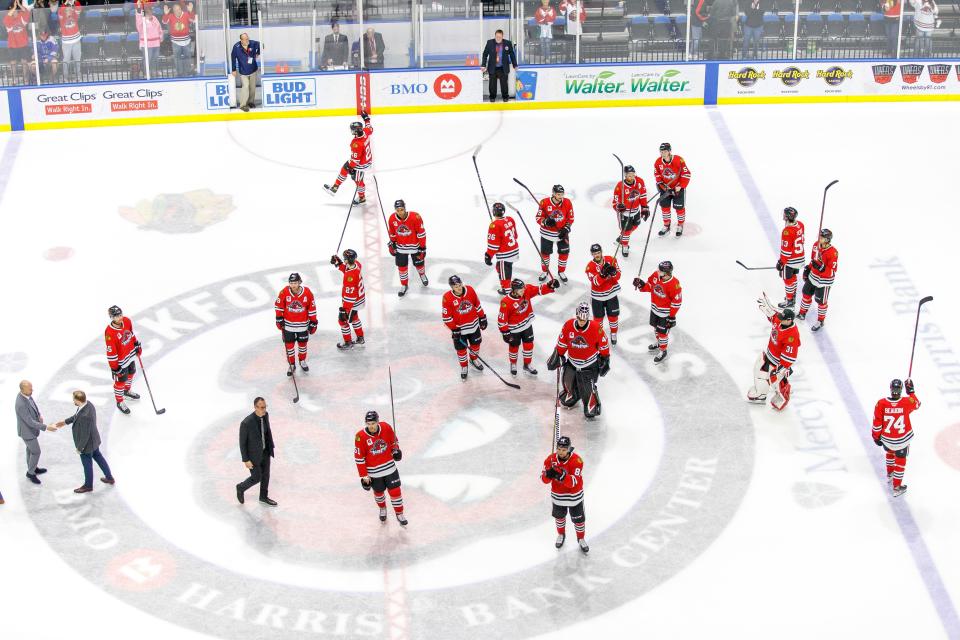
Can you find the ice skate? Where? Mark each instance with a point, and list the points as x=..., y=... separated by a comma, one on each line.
x=291, y=368
x=899, y=491
x=761, y=399
x=476, y=364
x=660, y=357
x=613, y=338
x=529, y=369
x=403, y=291
x=560, y=540
x=563, y=277
x=343, y=346
x=625, y=250
x=360, y=340
x=131, y=395
x=582, y=542
x=787, y=304
x=817, y=325
x=542, y=277
x=331, y=190
x=304, y=366
x=679, y=230
x=360, y=200
x=423, y=279
x=124, y=409
x=402, y=519
x=463, y=373
x=383, y=514
x=653, y=347
x=664, y=231
x=513, y=368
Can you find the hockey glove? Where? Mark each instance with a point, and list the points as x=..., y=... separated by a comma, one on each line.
x=554, y=284
x=280, y=323
x=138, y=347
x=780, y=268
x=483, y=323
x=365, y=485
x=670, y=322
x=607, y=270
x=561, y=474
x=662, y=188
x=604, y=365
x=621, y=208
x=908, y=385
x=336, y=261
x=806, y=273
x=877, y=442
x=342, y=315
x=817, y=265
x=423, y=254
x=116, y=374
x=487, y=260
x=644, y=213
x=551, y=473
x=506, y=336
x=397, y=455
x=639, y=284
x=565, y=233
x=365, y=116
x=392, y=248
x=312, y=328
x=457, y=338
x=549, y=223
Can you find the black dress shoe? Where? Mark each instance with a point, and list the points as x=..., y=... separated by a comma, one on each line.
x=40, y=470
x=108, y=481
x=32, y=478
x=239, y=494
x=268, y=501
x=82, y=490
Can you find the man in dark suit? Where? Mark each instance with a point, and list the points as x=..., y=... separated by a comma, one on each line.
x=29, y=426
x=373, y=49
x=256, y=449
x=498, y=55
x=336, y=49
x=86, y=438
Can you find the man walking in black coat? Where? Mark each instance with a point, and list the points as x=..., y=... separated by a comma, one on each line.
x=86, y=439
x=498, y=55
x=256, y=449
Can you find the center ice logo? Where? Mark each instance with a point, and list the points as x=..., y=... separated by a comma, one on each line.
x=468, y=474
x=188, y=212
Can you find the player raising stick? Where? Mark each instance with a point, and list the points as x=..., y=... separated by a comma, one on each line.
x=352, y=297
x=818, y=277
x=122, y=349
x=672, y=176
x=773, y=366
x=296, y=312
x=555, y=217
x=666, y=296
x=791, y=256
x=563, y=471
x=376, y=452
x=361, y=157
x=465, y=318
x=502, y=246
x=603, y=272
x=892, y=430
x=407, y=238
x=516, y=320
x=582, y=347
x=630, y=203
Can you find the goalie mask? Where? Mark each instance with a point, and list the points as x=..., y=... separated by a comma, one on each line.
x=786, y=317
x=583, y=312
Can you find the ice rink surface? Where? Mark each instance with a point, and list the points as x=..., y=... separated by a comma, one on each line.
x=706, y=516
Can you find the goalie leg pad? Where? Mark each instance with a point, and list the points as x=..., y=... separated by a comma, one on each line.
x=761, y=379
x=569, y=392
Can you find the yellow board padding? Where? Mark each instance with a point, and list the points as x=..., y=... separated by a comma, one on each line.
x=521, y=105
x=834, y=99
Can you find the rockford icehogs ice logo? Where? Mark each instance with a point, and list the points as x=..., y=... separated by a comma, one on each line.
x=883, y=73
x=747, y=77
x=911, y=72
x=791, y=76
x=670, y=460
x=188, y=212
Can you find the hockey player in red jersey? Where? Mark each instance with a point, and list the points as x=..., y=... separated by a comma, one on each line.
x=516, y=320
x=408, y=239
x=792, y=256
x=818, y=277
x=502, y=246
x=672, y=176
x=774, y=366
x=630, y=203
x=296, y=312
x=603, y=272
x=361, y=157
x=555, y=217
x=465, y=318
x=376, y=452
x=666, y=296
x=563, y=471
x=352, y=297
x=892, y=430
x=122, y=349
x=583, y=351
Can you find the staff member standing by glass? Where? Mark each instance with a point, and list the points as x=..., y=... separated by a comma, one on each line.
x=498, y=55
x=243, y=59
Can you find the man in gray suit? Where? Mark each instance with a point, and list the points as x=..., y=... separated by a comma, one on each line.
x=86, y=439
x=29, y=426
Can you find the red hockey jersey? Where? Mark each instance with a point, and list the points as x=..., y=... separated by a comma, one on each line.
x=791, y=246
x=582, y=346
x=516, y=314
x=602, y=288
x=296, y=311
x=568, y=490
x=561, y=214
x=784, y=344
x=502, y=240
x=671, y=175
x=352, y=293
x=632, y=196
x=824, y=276
x=891, y=421
x=463, y=312
x=408, y=233
x=361, y=153
x=121, y=344
x=374, y=453
x=665, y=296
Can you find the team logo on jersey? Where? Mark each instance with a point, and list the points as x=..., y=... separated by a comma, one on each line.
x=465, y=306
x=379, y=446
x=939, y=72
x=188, y=212
x=835, y=75
x=911, y=72
x=883, y=73
x=577, y=340
x=747, y=77
x=466, y=475
x=791, y=76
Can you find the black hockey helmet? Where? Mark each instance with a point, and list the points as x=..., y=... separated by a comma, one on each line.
x=629, y=169
x=356, y=128
x=372, y=416
x=454, y=280
x=399, y=204
x=564, y=441
x=583, y=311
x=350, y=255
x=294, y=277
x=558, y=188
x=517, y=283
x=498, y=209
x=786, y=315
x=596, y=248
x=666, y=267
x=790, y=214
x=115, y=311
x=896, y=388
x=826, y=234
x=665, y=146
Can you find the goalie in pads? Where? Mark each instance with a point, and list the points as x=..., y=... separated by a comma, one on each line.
x=583, y=351
x=773, y=366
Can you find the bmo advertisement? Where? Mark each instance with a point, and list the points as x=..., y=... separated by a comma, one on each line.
x=417, y=89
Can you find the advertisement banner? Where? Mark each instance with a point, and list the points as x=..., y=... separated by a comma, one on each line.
x=657, y=84
x=426, y=88
x=833, y=81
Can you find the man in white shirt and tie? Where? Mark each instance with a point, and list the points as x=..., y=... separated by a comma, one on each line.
x=256, y=449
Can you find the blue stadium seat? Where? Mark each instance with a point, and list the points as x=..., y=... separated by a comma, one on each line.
x=771, y=25
x=91, y=20
x=90, y=46
x=663, y=28
x=113, y=46
x=640, y=28
x=835, y=25
x=856, y=25
x=814, y=25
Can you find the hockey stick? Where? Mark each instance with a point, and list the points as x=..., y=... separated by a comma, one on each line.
x=296, y=388
x=349, y=211
x=480, y=180
x=535, y=246
x=393, y=412
x=823, y=207
x=528, y=191
x=150, y=391
x=380, y=202
x=556, y=415
x=916, y=326
x=619, y=215
x=754, y=268
x=647, y=243
x=494, y=371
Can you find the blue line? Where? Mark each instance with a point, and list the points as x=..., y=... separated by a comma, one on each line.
x=15, y=106
x=901, y=509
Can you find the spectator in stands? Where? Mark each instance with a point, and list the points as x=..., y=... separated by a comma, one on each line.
x=545, y=16
x=53, y=9
x=698, y=18
x=48, y=54
x=497, y=57
x=752, y=27
x=373, y=49
x=573, y=11
x=336, y=49
x=924, y=22
x=243, y=59
x=891, y=24
x=178, y=24
x=150, y=33
x=69, y=19
x=18, y=41
x=722, y=23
